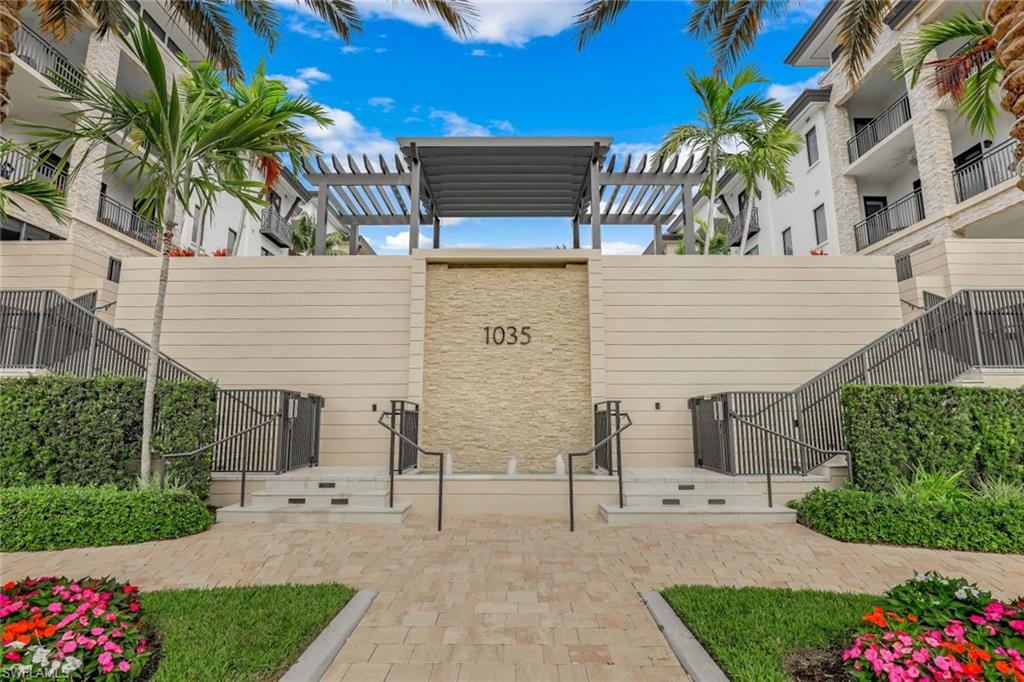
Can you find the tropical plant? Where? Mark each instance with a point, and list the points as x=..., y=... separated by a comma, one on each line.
x=210, y=20
x=1000, y=489
x=725, y=116
x=766, y=155
x=30, y=188
x=1007, y=19
x=928, y=486
x=179, y=145
x=304, y=238
x=733, y=26
x=719, y=241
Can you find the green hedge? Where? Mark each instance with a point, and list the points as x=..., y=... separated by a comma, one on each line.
x=58, y=517
x=892, y=430
x=87, y=431
x=972, y=524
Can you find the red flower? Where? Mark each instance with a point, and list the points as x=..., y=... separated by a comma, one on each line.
x=973, y=669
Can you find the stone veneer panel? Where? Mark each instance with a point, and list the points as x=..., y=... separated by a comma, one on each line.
x=485, y=403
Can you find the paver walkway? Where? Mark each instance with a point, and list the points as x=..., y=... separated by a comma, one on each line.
x=513, y=599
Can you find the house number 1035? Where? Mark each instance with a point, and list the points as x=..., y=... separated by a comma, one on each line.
x=507, y=336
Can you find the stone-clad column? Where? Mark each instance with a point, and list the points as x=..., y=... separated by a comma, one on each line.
x=844, y=187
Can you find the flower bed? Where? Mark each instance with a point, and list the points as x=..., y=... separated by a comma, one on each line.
x=85, y=630
x=942, y=629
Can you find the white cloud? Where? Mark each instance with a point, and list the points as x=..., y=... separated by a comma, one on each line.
x=479, y=53
x=303, y=79
x=399, y=243
x=385, y=104
x=621, y=249
x=788, y=92
x=502, y=125
x=637, y=149
x=351, y=49
x=457, y=125
x=347, y=135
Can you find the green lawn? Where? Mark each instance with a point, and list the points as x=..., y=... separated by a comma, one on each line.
x=238, y=633
x=750, y=630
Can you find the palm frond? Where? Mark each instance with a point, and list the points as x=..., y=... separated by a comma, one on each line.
x=733, y=26
x=261, y=17
x=860, y=23
x=61, y=18
x=340, y=14
x=110, y=16
x=209, y=20
x=458, y=15
x=593, y=18
x=37, y=190
x=978, y=102
x=962, y=26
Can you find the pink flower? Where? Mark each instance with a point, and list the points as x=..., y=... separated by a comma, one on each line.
x=920, y=656
x=96, y=632
x=111, y=617
x=1017, y=626
x=116, y=633
x=124, y=666
x=55, y=607
x=955, y=630
x=69, y=647
x=978, y=620
x=134, y=607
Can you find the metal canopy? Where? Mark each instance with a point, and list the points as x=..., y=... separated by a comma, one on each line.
x=458, y=177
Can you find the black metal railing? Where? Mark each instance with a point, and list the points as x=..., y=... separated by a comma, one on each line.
x=19, y=164
x=895, y=217
x=621, y=422
x=392, y=422
x=794, y=432
x=734, y=229
x=997, y=165
x=43, y=329
x=274, y=227
x=34, y=50
x=880, y=127
x=125, y=220
x=904, y=268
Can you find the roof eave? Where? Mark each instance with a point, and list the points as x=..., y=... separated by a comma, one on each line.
x=816, y=27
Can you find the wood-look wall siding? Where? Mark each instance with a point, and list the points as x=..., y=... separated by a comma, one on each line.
x=331, y=325
x=68, y=267
x=678, y=327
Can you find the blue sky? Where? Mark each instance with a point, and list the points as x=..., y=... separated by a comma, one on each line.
x=520, y=74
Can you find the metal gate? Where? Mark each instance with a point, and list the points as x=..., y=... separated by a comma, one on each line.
x=607, y=419
x=711, y=433
x=405, y=419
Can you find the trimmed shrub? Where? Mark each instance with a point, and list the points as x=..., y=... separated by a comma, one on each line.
x=971, y=524
x=87, y=431
x=892, y=431
x=58, y=517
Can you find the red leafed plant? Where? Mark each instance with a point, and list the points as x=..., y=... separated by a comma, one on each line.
x=220, y=252
x=179, y=252
x=818, y=252
x=73, y=629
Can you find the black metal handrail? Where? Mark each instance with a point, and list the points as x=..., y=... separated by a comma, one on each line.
x=586, y=453
x=19, y=164
x=35, y=51
x=198, y=451
x=880, y=127
x=896, y=217
x=416, y=446
x=994, y=167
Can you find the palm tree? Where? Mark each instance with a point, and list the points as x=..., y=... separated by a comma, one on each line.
x=733, y=26
x=725, y=116
x=719, y=245
x=30, y=188
x=210, y=20
x=1007, y=19
x=304, y=238
x=180, y=145
x=766, y=156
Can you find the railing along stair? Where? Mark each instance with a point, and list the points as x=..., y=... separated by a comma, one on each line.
x=609, y=423
x=769, y=433
x=402, y=425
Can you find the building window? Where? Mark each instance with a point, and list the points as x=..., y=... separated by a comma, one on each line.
x=811, y=138
x=14, y=230
x=265, y=252
x=232, y=237
x=753, y=251
x=113, y=270
x=787, y=241
x=153, y=26
x=820, y=228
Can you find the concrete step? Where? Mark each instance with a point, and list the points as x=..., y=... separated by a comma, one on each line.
x=299, y=514
x=667, y=488
x=351, y=485
x=319, y=499
x=736, y=515
x=695, y=499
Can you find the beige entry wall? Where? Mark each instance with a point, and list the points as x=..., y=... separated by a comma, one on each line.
x=506, y=363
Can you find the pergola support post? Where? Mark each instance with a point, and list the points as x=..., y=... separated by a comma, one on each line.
x=353, y=240
x=414, y=209
x=320, y=243
x=689, y=224
x=575, y=232
x=659, y=247
x=595, y=204
x=437, y=232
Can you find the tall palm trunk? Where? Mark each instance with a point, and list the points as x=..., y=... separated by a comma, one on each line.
x=713, y=169
x=153, y=362
x=10, y=11
x=748, y=213
x=1007, y=17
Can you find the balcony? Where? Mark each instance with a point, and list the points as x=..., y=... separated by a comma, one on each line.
x=880, y=127
x=17, y=165
x=735, y=227
x=127, y=221
x=274, y=227
x=994, y=167
x=33, y=49
x=895, y=217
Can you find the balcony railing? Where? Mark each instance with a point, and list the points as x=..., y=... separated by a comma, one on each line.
x=274, y=227
x=995, y=166
x=881, y=127
x=735, y=227
x=18, y=165
x=127, y=221
x=33, y=49
x=897, y=216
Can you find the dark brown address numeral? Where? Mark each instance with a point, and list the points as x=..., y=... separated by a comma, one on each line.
x=507, y=336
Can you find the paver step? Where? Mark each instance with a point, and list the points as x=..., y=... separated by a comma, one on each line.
x=298, y=514
x=314, y=499
x=712, y=514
